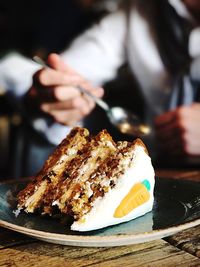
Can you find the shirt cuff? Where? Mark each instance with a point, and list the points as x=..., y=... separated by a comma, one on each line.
x=16, y=73
x=53, y=132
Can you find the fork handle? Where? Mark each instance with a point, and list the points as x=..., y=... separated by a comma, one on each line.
x=97, y=100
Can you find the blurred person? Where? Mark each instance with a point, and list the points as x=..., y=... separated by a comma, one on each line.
x=160, y=40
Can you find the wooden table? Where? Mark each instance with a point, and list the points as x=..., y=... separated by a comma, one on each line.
x=182, y=249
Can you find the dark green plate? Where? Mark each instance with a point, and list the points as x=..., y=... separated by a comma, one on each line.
x=176, y=207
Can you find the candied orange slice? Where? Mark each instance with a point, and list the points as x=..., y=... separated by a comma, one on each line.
x=137, y=196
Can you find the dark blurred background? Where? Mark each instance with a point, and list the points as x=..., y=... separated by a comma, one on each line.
x=46, y=26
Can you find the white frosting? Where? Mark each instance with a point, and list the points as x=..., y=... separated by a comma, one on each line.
x=101, y=215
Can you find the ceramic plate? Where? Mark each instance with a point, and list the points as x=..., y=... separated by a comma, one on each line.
x=176, y=207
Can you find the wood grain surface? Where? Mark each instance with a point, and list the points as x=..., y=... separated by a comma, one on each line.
x=188, y=175
x=17, y=251
x=188, y=240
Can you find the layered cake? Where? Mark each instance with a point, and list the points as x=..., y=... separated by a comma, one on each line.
x=94, y=180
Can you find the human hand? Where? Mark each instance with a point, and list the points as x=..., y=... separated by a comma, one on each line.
x=54, y=92
x=178, y=131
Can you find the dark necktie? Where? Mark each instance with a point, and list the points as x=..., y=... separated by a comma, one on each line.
x=185, y=91
x=173, y=35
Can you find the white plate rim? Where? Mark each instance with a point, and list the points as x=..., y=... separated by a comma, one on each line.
x=109, y=240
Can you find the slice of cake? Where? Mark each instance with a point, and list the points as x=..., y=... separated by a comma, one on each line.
x=31, y=197
x=99, y=184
